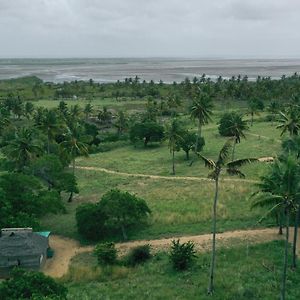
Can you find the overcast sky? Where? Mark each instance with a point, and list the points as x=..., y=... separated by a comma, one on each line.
x=149, y=28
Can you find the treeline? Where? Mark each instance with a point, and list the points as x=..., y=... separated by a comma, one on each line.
x=237, y=88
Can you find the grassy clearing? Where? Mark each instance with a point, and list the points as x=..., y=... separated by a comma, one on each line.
x=243, y=272
x=156, y=160
x=178, y=208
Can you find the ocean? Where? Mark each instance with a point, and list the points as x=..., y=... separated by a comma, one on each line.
x=165, y=69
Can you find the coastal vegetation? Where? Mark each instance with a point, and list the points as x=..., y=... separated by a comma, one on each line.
x=103, y=163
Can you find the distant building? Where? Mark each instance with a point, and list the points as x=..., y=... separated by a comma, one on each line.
x=22, y=247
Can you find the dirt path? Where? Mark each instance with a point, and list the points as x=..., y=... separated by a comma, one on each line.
x=164, y=177
x=66, y=248
x=264, y=137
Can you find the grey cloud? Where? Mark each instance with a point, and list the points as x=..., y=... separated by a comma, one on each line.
x=149, y=28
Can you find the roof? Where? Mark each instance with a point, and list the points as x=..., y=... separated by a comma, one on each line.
x=22, y=244
x=44, y=233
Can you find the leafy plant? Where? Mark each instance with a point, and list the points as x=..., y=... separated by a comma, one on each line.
x=138, y=255
x=106, y=253
x=182, y=255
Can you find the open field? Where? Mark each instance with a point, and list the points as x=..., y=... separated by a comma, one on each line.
x=244, y=272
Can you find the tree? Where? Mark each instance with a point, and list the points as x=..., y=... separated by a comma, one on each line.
x=88, y=110
x=29, y=109
x=285, y=177
x=221, y=164
x=188, y=142
x=201, y=111
x=148, y=131
x=73, y=146
x=289, y=123
x=254, y=107
x=121, y=122
x=123, y=209
x=50, y=125
x=233, y=125
x=274, y=109
x=90, y=221
x=173, y=135
x=28, y=285
x=23, y=149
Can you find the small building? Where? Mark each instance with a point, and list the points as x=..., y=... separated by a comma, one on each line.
x=22, y=247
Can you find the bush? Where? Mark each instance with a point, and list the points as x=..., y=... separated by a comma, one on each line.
x=182, y=255
x=138, y=255
x=106, y=253
x=90, y=221
x=31, y=285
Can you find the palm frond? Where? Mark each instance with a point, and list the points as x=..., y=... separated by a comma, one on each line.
x=224, y=153
x=240, y=162
x=235, y=172
x=209, y=163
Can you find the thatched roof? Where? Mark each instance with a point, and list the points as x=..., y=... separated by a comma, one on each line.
x=22, y=244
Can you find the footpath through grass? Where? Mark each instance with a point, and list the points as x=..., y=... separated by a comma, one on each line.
x=243, y=273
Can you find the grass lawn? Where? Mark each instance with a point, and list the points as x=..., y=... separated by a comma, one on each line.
x=243, y=273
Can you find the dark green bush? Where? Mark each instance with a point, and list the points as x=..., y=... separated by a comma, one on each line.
x=138, y=255
x=182, y=255
x=90, y=221
x=106, y=253
x=31, y=285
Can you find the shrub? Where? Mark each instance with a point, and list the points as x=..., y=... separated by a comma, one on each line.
x=106, y=253
x=90, y=221
x=31, y=285
x=182, y=255
x=138, y=255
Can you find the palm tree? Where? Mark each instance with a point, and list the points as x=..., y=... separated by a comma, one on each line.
x=201, y=111
x=254, y=106
x=121, y=122
x=221, y=164
x=173, y=135
x=73, y=146
x=23, y=148
x=285, y=176
x=50, y=125
x=290, y=123
x=274, y=108
x=88, y=109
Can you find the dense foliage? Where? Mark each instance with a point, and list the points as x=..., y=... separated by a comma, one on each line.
x=31, y=285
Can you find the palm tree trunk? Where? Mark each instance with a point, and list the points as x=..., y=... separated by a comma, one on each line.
x=283, y=282
x=297, y=220
x=198, y=136
x=124, y=233
x=173, y=162
x=214, y=229
x=73, y=169
x=233, y=150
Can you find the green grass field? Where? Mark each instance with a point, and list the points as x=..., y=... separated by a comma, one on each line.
x=243, y=273
x=178, y=207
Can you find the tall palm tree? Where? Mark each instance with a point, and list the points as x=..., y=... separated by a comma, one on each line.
x=289, y=122
x=173, y=135
x=201, y=111
x=232, y=168
x=88, y=109
x=50, y=125
x=236, y=127
x=273, y=108
x=121, y=122
x=74, y=145
x=285, y=176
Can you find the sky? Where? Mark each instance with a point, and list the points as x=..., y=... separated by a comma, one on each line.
x=150, y=28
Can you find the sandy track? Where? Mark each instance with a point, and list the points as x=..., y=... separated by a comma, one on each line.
x=164, y=177
x=66, y=248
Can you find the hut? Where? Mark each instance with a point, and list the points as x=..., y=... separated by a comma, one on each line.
x=22, y=247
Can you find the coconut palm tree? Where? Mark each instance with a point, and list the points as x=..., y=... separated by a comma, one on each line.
x=289, y=122
x=173, y=135
x=50, y=125
x=23, y=148
x=121, y=122
x=284, y=196
x=74, y=145
x=201, y=111
x=217, y=167
x=88, y=110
